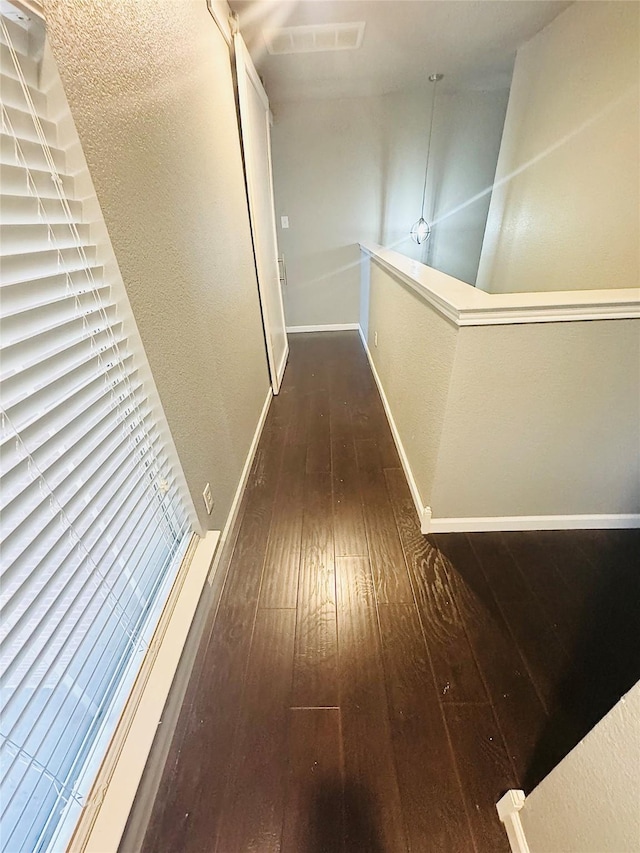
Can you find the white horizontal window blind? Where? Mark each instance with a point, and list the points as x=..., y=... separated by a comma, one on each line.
x=93, y=523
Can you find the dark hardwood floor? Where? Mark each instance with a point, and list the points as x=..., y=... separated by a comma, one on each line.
x=367, y=688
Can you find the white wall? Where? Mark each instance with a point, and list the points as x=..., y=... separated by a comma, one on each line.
x=569, y=218
x=352, y=170
x=590, y=802
x=150, y=89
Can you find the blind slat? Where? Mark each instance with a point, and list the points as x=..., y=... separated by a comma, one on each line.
x=33, y=183
x=25, y=266
x=13, y=94
x=46, y=444
x=71, y=501
x=61, y=363
x=50, y=401
x=24, y=238
x=28, y=66
x=40, y=291
x=28, y=323
x=68, y=583
x=42, y=567
x=19, y=152
x=51, y=455
x=19, y=122
x=26, y=355
x=27, y=209
x=74, y=466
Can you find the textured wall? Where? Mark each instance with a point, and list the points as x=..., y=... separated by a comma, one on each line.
x=570, y=218
x=414, y=358
x=150, y=88
x=591, y=801
x=542, y=419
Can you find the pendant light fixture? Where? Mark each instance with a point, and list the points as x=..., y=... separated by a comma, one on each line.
x=421, y=229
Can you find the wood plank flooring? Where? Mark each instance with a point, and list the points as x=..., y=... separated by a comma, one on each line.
x=364, y=687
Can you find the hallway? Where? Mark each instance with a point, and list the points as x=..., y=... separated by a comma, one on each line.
x=363, y=687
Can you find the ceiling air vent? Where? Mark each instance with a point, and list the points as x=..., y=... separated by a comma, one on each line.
x=314, y=38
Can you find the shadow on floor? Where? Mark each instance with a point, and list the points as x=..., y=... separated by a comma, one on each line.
x=604, y=661
x=354, y=804
x=598, y=574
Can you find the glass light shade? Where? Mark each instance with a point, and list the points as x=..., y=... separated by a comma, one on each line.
x=420, y=231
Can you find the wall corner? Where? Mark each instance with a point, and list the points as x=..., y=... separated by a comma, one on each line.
x=508, y=808
x=425, y=520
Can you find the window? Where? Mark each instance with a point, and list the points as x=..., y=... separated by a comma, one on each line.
x=94, y=524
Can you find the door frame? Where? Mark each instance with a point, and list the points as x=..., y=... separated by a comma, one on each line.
x=246, y=74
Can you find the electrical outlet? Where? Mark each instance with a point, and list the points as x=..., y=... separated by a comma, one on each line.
x=208, y=498
x=375, y=339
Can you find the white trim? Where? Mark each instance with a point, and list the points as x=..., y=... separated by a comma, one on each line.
x=244, y=476
x=425, y=521
x=508, y=808
x=105, y=816
x=465, y=305
x=281, y=366
x=332, y=327
x=274, y=233
x=220, y=12
x=424, y=513
x=533, y=522
x=267, y=268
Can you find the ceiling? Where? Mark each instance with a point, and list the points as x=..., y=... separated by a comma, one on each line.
x=471, y=42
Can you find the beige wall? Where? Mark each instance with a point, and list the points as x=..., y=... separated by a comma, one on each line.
x=325, y=174
x=352, y=170
x=542, y=419
x=590, y=802
x=150, y=88
x=414, y=359
x=569, y=218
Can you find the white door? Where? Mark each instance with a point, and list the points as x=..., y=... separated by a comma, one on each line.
x=256, y=142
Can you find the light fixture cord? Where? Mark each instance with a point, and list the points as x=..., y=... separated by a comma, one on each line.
x=426, y=171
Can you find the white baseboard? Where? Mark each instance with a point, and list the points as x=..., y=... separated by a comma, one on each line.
x=334, y=327
x=280, y=369
x=531, y=522
x=424, y=513
x=508, y=808
x=105, y=814
x=244, y=476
